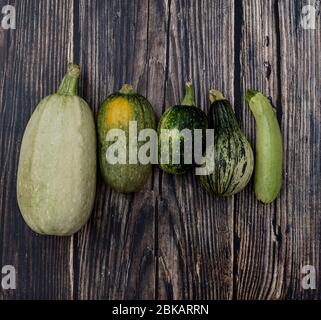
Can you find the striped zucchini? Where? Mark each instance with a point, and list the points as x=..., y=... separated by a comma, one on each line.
x=175, y=119
x=232, y=153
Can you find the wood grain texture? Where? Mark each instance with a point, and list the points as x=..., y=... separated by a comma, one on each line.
x=28, y=75
x=158, y=48
x=258, y=252
x=276, y=240
x=116, y=258
x=300, y=98
x=172, y=240
x=195, y=229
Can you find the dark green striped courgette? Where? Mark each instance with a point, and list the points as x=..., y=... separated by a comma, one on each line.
x=232, y=153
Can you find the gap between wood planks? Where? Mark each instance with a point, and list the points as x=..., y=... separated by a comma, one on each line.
x=238, y=25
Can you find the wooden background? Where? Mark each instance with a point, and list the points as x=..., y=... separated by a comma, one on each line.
x=172, y=240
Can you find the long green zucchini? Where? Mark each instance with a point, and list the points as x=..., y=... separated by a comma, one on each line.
x=269, y=150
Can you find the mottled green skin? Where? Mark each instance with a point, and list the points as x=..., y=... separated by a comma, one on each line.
x=233, y=155
x=178, y=118
x=269, y=148
x=125, y=178
x=56, y=178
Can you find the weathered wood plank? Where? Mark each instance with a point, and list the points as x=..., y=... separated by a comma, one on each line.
x=259, y=252
x=172, y=240
x=275, y=241
x=157, y=56
x=116, y=249
x=301, y=200
x=33, y=60
x=195, y=229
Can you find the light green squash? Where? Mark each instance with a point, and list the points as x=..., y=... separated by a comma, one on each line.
x=56, y=178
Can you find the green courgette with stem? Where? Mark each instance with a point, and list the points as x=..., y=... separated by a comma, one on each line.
x=172, y=123
x=269, y=150
x=116, y=112
x=232, y=157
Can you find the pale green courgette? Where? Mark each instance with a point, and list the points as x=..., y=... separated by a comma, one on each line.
x=269, y=150
x=56, y=178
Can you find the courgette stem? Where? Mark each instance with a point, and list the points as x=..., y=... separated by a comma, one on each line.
x=250, y=94
x=127, y=89
x=69, y=84
x=216, y=95
x=189, y=99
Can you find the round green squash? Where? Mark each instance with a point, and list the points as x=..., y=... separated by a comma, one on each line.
x=232, y=154
x=173, y=121
x=56, y=178
x=116, y=112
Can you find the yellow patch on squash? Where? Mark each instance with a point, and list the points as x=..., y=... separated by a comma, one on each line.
x=119, y=112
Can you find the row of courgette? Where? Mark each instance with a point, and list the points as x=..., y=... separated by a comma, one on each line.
x=56, y=178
